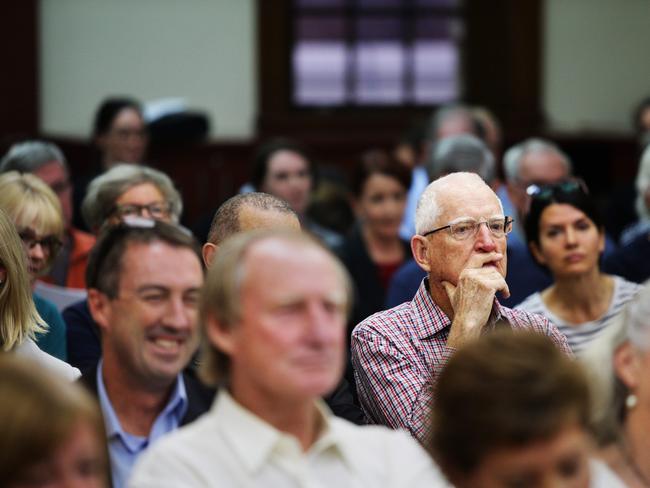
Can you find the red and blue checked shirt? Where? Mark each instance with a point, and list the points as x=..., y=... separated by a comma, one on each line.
x=398, y=355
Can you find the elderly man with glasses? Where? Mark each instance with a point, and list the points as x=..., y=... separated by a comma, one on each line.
x=399, y=353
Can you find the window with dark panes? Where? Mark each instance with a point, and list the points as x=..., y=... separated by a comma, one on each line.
x=375, y=52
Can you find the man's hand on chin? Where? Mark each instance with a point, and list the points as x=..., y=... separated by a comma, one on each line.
x=473, y=296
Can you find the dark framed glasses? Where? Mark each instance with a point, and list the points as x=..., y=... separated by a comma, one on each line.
x=49, y=244
x=156, y=210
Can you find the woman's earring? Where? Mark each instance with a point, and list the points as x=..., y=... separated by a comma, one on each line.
x=630, y=401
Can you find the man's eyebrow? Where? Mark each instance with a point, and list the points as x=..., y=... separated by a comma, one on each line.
x=151, y=287
x=467, y=217
x=156, y=287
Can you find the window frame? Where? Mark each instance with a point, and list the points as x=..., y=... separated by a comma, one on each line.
x=500, y=69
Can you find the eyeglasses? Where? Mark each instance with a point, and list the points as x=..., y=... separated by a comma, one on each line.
x=468, y=227
x=49, y=244
x=157, y=210
x=547, y=192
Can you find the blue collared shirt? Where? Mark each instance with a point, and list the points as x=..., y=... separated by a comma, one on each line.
x=124, y=448
x=419, y=182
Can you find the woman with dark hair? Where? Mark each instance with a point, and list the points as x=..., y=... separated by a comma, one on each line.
x=512, y=410
x=566, y=235
x=119, y=132
x=373, y=251
x=282, y=168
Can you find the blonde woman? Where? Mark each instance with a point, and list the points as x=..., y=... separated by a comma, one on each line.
x=35, y=212
x=19, y=320
x=65, y=447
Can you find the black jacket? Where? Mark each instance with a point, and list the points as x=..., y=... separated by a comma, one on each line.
x=199, y=396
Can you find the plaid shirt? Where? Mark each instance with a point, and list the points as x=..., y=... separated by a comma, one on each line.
x=398, y=355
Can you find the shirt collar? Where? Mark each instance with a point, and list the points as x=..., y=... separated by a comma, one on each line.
x=174, y=409
x=431, y=320
x=254, y=441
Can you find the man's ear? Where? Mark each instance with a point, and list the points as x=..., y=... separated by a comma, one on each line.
x=627, y=365
x=537, y=254
x=420, y=249
x=208, y=253
x=219, y=335
x=100, y=308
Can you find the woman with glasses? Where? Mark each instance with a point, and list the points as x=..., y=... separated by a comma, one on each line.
x=130, y=190
x=119, y=132
x=373, y=250
x=20, y=322
x=566, y=235
x=36, y=213
x=124, y=191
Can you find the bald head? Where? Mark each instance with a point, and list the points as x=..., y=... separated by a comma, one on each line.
x=443, y=192
x=245, y=212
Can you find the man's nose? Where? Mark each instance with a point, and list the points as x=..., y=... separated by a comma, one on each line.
x=322, y=323
x=178, y=314
x=485, y=240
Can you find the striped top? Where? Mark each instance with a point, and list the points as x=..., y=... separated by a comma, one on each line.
x=580, y=335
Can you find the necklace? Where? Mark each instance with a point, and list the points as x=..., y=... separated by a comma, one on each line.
x=629, y=460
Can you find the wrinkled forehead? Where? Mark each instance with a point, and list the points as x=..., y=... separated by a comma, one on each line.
x=268, y=261
x=472, y=201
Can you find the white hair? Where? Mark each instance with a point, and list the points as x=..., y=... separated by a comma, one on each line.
x=429, y=207
x=642, y=185
x=514, y=156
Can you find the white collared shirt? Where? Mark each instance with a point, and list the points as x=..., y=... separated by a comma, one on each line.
x=230, y=446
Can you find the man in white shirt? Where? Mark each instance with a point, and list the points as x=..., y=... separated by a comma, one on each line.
x=274, y=315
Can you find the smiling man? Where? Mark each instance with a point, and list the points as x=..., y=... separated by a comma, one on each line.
x=461, y=244
x=144, y=279
x=276, y=337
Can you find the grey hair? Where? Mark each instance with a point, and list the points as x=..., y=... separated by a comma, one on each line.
x=29, y=156
x=429, y=207
x=643, y=185
x=463, y=152
x=226, y=219
x=447, y=112
x=106, y=188
x=514, y=156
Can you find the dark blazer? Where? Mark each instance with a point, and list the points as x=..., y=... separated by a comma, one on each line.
x=83, y=337
x=199, y=396
x=370, y=296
